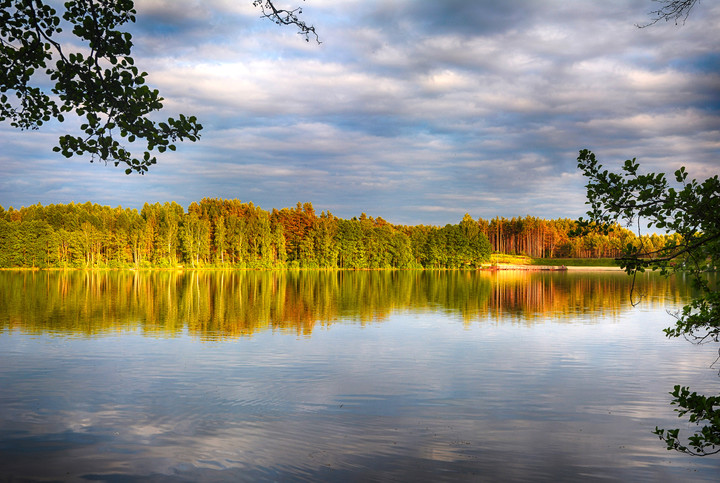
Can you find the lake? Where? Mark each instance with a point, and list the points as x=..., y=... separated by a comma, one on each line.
x=343, y=376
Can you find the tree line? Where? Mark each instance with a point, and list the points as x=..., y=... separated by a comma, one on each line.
x=234, y=234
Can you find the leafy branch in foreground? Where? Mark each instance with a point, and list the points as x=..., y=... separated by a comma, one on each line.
x=701, y=408
x=691, y=209
x=99, y=81
x=90, y=72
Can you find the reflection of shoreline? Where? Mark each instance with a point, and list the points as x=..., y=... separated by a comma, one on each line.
x=231, y=303
x=552, y=268
x=528, y=268
x=595, y=269
x=181, y=269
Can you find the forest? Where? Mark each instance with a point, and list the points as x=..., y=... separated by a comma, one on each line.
x=216, y=233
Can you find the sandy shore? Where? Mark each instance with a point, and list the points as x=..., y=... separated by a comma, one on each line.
x=595, y=269
x=554, y=268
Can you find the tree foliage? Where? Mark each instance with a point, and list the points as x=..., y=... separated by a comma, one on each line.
x=691, y=210
x=78, y=61
x=226, y=233
x=229, y=233
x=98, y=80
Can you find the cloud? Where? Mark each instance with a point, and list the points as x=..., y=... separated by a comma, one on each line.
x=407, y=110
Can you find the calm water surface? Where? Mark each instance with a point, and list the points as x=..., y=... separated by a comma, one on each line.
x=342, y=376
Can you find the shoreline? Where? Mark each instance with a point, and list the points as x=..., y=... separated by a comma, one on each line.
x=596, y=269
x=489, y=268
x=552, y=268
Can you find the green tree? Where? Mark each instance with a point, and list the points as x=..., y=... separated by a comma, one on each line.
x=6, y=230
x=323, y=233
x=219, y=238
x=136, y=231
x=689, y=209
x=170, y=215
x=478, y=246
x=118, y=240
x=259, y=237
x=195, y=237
x=351, y=250
x=236, y=239
x=402, y=256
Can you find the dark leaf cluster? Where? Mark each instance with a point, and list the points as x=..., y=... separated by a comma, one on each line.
x=98, y=82
x=690, y=209
x=701, y=409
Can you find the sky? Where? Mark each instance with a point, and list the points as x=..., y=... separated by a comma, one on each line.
x=416, y=111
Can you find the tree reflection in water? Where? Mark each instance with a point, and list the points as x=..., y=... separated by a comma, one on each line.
x=214, y=376
x=226, y=304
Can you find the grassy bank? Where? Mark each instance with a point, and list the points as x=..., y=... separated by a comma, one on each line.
x=502, y=259
x=576, y=262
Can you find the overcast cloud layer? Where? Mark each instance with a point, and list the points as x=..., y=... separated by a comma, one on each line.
x=416, y=111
